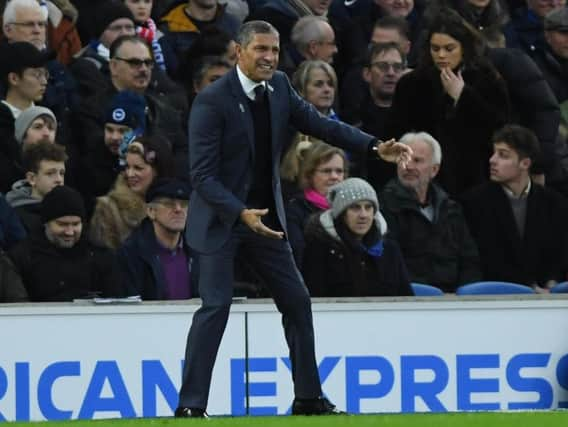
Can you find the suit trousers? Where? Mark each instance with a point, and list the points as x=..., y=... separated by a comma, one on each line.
x=274, y=262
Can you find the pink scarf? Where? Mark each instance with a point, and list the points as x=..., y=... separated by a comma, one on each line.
x=316, y=199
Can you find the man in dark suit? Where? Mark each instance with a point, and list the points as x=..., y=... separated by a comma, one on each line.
x=238, y=128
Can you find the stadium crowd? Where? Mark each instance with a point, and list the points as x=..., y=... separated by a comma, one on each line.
x=95, y=150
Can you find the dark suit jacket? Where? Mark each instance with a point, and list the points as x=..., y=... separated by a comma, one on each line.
x=541, y=254
x=222, y=152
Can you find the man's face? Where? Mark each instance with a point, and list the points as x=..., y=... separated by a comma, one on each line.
x=141, y=9
x=420, y=170
x=390, y=35
x=543, y=7
x=64, y=232
x=325, y=48
x=118, y=27
x=128, y=75
x=558, y=42
x=30, y=85
x=29, y=26
x=43, y=128
x=319, y=7
x=505, y=165
x=383, y=74
x=399, y=8
x=169, y=214
x=114, y=135
x=212, y=74
x=49, y=175
x=205, y=4
x=359, y=218
x=259, y=59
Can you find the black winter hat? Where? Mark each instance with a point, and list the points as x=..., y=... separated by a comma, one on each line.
x=62, y=201
x=110, y=11
x=172, y=188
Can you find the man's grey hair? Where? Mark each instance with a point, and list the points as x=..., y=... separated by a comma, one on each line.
x=9, y=15
x=307, y=29
x=249, y=29
x=410, y=137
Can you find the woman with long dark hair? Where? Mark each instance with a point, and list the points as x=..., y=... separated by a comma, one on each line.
x=456, y=96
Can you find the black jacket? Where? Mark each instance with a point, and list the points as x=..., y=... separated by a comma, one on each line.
x=298, y=211
x=10, y=156
x=142, y=271
x=463, y=130
x=331, y=268
x=542, y=253
x=53, y=274
x=440, y=253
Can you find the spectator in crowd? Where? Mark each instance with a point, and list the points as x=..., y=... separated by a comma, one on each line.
x=346, y=253
x=155, y=260
x=123, y=208
x=519, y=226
x=58, y=30
x=316, y=82
x=56, y=262
x=322, y=167
x=553, y=59
x=131, y=69
x=44, y=165
x=354, y=89
x=24, y=75
x=12, y=288
x=525, y=30
x=205, y=71
x=385, y=65
x=457, y=96
x=35, y=124
x=312, y=38
x=486, y=16
x=60, y=94
x=283, y=14
x=183, y=23
x=11, y=229
x=429, y=227
x=99, y=169
x=146, y=28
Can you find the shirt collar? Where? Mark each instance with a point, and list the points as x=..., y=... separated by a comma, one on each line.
x=248, y=85
x=525, y=192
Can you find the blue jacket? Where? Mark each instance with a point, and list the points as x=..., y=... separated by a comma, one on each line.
x=142, y=272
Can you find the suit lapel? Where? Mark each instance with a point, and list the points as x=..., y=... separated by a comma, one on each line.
x=244, y=114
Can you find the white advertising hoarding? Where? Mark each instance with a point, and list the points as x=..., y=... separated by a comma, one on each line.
x=68, y=362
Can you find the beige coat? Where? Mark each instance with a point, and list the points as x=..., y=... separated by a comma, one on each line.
x=116, y=215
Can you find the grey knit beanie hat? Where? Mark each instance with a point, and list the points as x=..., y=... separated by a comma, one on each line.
x=25, y=119
x=350, y=191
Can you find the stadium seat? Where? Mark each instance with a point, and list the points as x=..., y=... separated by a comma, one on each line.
x=560, y=288
x=493, y=288
x=422, y=290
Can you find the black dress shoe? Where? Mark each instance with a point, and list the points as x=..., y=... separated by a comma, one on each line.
x=182, y=412
x=318, y=406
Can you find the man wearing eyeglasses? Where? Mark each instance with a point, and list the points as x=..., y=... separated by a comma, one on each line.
x=23, y=74
x=131, y=67
x=384, y=65
x=155, y=260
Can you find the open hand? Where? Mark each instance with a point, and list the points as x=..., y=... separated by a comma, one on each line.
x=252, y=218
x=394, y=152
x=453, y=83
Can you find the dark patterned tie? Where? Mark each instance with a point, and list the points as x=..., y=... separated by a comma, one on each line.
x=259, y=92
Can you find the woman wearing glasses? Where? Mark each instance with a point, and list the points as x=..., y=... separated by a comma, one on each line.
x=123, y=208
x=455, y=95
x=322, y=167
